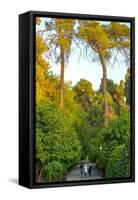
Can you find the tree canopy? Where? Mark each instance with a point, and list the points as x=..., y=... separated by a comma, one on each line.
x=76, y=121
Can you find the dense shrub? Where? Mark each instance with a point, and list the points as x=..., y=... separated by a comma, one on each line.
x=54, y=171
x=114, y=157
x=56, y=139
x=119, y=163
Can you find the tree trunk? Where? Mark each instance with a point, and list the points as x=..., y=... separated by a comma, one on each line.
x=37, y=172
x=62, y=78
x=40, y=174
x=104, y=91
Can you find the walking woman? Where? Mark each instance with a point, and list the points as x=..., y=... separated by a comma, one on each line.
x=85, y=169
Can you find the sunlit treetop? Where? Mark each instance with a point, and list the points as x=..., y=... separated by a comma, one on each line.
x=59, y=34
x=119, y=34
x=64, y=28
x=94, y=35
x=104, y=38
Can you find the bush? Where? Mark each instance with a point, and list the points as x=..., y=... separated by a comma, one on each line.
x=56, y=139
x=119, y=163
x=115, y=142
x=55, y=171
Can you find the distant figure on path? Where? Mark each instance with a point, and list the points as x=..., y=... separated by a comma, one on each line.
x=90, y=169
x=81, y=169
x=85, y=169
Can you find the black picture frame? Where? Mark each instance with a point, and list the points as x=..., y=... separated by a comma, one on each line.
x=27, y=99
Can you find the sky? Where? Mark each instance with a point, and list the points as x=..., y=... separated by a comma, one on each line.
x=83, y=68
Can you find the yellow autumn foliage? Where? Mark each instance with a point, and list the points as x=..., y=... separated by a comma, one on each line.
x=45, y=88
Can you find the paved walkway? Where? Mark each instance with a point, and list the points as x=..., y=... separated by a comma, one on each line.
x=74, y=174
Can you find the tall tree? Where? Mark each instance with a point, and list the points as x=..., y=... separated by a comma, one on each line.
x=59, y=38
x=103, y=40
